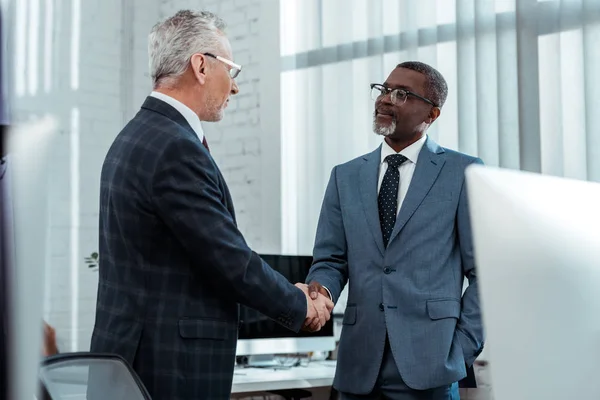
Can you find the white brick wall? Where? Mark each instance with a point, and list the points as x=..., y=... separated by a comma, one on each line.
x=245, y=143
x=95, y=89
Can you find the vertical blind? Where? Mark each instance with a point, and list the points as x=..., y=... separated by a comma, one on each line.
x=522, y=78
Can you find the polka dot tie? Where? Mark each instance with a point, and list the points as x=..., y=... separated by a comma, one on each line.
x=388, y=196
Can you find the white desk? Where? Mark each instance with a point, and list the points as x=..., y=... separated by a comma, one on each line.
x=315, y=374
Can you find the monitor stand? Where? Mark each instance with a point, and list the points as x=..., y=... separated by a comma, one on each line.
x=267, y=361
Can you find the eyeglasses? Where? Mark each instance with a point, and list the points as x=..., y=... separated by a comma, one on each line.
x=398, y=96
x=235, y=69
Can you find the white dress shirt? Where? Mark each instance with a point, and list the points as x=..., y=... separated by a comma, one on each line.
x=190, y=116
x=407, y=169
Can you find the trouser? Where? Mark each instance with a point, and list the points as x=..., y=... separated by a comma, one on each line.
x=390, y=385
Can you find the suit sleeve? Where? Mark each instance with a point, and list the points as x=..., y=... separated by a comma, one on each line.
x=189, y=199
x=330, y=257
x=470, y=327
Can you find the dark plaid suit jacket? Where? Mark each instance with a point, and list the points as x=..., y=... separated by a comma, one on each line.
x=173, y=265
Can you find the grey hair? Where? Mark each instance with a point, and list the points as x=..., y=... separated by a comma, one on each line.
x=173, y=41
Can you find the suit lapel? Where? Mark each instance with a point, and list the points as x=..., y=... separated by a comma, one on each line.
x=430, y=163
x=369, y=173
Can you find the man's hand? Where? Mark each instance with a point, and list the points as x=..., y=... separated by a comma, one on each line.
x=49, y=342
x=315, y=288
x=312, y=314
x=321, y=304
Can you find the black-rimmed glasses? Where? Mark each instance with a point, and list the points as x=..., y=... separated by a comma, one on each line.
x=397, y=96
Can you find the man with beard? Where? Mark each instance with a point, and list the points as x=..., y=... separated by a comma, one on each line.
x=173, y=264
x=395, y=225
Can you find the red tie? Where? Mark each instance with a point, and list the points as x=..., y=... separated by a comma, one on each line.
x=205, y=144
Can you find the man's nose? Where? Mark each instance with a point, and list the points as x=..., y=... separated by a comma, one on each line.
x=234, y=87
x=386, y=98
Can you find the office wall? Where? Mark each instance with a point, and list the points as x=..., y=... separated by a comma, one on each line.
x=246, y=144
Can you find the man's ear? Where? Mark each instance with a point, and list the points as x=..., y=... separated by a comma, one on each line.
x=199, y=67
x=433, y=115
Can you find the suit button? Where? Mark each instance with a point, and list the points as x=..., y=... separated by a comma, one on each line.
x=386, y=270
x=380, y=306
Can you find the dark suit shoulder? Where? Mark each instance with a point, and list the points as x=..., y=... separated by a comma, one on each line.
x=146, y=147
x=144, y=142
x=152, y=131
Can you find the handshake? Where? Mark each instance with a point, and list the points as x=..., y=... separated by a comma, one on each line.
x=318, y=306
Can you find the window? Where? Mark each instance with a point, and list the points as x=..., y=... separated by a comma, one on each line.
x=520, y=77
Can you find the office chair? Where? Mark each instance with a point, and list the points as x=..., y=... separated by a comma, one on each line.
x=89, y=375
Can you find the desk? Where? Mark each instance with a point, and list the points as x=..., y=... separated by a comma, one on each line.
x=315, y=374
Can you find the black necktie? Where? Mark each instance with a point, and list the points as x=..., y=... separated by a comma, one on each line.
x=388, y=196
x=205, y=143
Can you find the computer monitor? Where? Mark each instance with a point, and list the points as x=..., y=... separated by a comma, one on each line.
x=537, y=249
x=259, y=334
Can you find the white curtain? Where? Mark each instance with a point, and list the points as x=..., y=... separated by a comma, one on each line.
x=523, y=78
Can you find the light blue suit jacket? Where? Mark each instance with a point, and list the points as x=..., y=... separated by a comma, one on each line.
x=413, y=288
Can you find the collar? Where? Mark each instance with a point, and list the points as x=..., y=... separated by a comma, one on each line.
x=190, y=116
x=411, y=152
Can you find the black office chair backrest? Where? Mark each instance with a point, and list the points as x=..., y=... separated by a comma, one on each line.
x=90, y=376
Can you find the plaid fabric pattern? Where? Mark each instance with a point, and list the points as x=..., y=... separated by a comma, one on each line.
x=173, y=264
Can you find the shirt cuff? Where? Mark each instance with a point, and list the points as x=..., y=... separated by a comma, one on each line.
x=329, y=293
